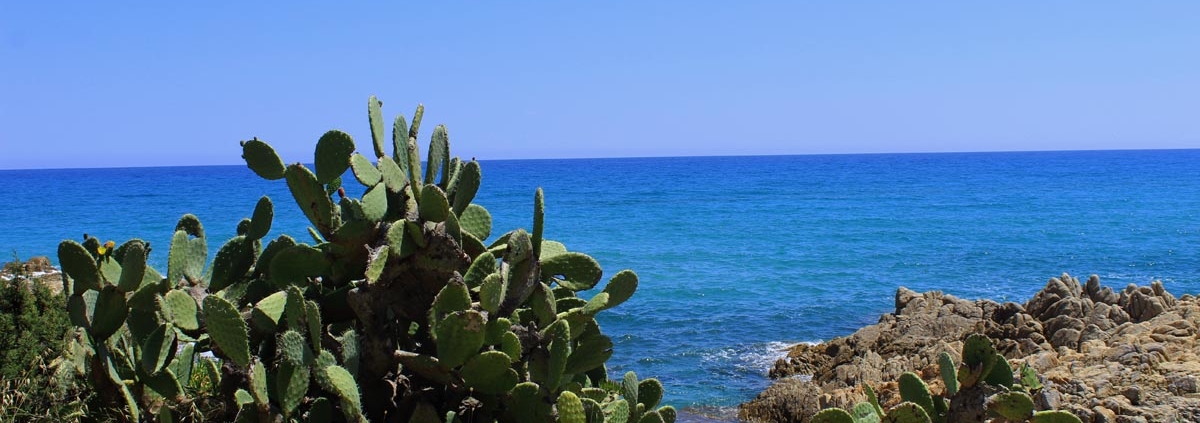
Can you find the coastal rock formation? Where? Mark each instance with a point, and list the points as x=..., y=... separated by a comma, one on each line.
x=1106, y=356
x=38, y=268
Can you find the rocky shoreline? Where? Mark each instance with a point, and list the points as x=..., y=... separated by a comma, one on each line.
x=1131, y=355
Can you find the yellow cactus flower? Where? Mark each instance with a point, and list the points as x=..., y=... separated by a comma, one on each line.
x=103, y=249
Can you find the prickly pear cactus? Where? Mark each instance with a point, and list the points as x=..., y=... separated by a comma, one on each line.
x=983, y=388
x=404, y=307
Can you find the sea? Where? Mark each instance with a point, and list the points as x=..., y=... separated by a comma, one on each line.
x=737, y=257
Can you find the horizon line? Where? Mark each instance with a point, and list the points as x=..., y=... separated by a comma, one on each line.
x=881, y=153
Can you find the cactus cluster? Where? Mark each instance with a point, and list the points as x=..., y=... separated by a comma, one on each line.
x=400, y=309
x=983, y=386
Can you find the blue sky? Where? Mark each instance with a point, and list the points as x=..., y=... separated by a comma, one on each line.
x=106, y=84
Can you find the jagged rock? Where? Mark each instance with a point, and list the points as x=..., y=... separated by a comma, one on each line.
x=1114, y=356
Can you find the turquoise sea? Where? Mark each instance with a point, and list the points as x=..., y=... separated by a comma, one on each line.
x=737, y=256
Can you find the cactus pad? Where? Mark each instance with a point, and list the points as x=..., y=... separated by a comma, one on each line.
x=833, y=415
x=108, y=313
x=476, y=220
x=260, y=224
x=158, y=348
x=1014, y=406
x=394, y=178
x=79, y=265
x=332, y=157
x=459, y=336
x=227, y=329
x=439, y=155
x=365, y=172
x=262, y=159
x=906, y=412
x=232, y=262
x=374, y=203
x=617, y=411
x=258, y=383
x=344, y=386
x=311, y=197
x=913, y=389
x=433, y=206
x=489, y=373
x=268, y=312
x=292, y=383
x=551, y=249
x=483, y=265
x=949, y=373
x=1056, y=416
x=180, y=308
x=133, y=266
x=650, y=392
x=576, y=271
x=570, y=408
x=375, y=117
x=1001, y=373
x=539, y=221
x=468, y=185
x=376, y=263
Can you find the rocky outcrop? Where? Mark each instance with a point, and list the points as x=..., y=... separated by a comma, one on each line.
x=1106, y=356
x=36, y=268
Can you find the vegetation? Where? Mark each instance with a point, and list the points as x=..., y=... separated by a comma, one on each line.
x=984, y=386
x=399, y=310
x=34, y=385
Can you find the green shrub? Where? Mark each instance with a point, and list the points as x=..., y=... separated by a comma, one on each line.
x=33, y=319
x=34, y=385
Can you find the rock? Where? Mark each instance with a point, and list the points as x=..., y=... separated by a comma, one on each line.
x=39, y=264
x=1115, y=356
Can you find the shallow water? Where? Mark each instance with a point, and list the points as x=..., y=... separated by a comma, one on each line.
x=737, y=256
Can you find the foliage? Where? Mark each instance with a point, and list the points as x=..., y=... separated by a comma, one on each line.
x=399, y=310
x=34, y=385
x=983, y=386
x=33, y=319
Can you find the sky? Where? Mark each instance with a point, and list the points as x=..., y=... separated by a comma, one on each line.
x=117, y=84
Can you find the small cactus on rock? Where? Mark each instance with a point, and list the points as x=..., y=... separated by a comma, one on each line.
x=983, y=388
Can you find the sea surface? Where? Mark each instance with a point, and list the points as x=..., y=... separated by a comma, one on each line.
x=738, y=257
